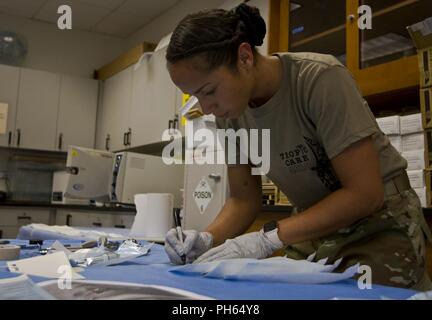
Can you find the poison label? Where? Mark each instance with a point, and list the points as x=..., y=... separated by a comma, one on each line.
x=202, y=195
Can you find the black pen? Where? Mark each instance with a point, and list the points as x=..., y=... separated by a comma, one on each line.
x=177, y=222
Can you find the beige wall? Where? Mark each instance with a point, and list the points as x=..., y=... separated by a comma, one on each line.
x=165, y=23
x=71, y=52
x=79, y=53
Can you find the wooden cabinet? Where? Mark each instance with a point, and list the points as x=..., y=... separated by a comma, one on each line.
x=9, y=83
x=77, y=113
x=382, y=59
x=318, y=26
x=38, y=99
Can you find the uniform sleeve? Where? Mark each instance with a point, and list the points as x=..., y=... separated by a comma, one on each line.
x=338, y=111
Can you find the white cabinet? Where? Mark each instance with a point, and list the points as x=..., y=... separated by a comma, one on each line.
x=206, y=190
x=20, y=217
x=38, y=100
x=12, y=219
x=47, y=111
x=7, y=232
x=123, y=220
x=115, y=111
x=138, y=104
x=154, y=100
x=9, y=82
x=67, y=218
x=94, y=219
x=77, y=113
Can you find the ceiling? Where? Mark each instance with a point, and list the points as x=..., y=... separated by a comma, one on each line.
x=119, y=18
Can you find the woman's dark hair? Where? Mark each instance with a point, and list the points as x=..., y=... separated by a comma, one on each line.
x=215, y=35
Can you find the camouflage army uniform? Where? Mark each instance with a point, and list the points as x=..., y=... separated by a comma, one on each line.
x=390, y=241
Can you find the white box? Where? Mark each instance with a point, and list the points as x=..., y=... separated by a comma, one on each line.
x=389, y=125
x=59, y=185
x=414, y=141
x=411, y=124
x=421, y=192
x=416, y=178
x=396, y=142
x=415, y=159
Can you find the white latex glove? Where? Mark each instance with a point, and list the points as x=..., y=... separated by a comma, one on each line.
x=255, y=245
x=194, y=244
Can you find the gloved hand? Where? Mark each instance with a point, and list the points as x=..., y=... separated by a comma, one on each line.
x=250, y=245
x=194, y=244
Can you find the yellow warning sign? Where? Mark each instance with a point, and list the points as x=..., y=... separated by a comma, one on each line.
x=185, y=99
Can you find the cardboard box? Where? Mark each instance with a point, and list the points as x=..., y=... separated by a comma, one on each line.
x=396, y=142
x=421, y=33
x=411, y=124
x=415, y=159
x=389, y=125
x=425, y=107
x=416, y=178
x=425, y=67
x=428, y=183
x=428, y=148
x=415, y=141
x=422, y=194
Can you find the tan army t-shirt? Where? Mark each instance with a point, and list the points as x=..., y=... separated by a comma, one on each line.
x=316, y=114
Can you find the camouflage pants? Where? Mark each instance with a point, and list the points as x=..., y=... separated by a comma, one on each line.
x=391, y=241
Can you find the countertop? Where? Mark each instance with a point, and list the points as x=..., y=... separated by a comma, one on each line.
x=36, y=204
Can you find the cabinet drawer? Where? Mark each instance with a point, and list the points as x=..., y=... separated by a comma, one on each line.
x=8, y=232
x=72, y=218
x=123, y=220
x=19, y=217
x=105, y=220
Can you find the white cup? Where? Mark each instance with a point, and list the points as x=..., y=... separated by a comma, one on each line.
x=154, y=215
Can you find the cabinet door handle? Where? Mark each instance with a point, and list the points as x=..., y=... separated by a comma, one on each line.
x=129, y=137
x=215, y=177
x=351, y=18
x=107, y=142
x=125, y=138
x=22, y=220
x=60, y=142
x=18, y=137
x=10, y=138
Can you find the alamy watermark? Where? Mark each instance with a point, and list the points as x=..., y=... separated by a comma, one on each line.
x=65, y=279
x=365, y=280
x=204, y=146
x=365, y=17
x=65, y=20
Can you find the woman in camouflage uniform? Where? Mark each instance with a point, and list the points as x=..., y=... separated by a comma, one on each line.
x=327, y=154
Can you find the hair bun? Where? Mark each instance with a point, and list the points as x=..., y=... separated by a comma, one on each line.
x=255, y=24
